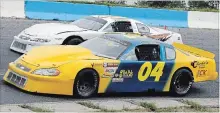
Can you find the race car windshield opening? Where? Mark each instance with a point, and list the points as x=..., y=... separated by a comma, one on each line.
x=90, y=23
x=106, y=47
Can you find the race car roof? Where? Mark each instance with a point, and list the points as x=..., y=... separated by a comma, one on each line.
x=115, y=18
x=134, y=39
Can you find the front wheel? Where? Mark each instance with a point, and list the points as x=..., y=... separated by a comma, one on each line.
x=181, y=82
x=86, y=83
x=74, y=41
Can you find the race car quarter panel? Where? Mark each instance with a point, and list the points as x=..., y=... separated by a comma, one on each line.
x=200, y=63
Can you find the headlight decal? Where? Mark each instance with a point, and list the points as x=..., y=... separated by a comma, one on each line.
x=40, y=40
x=24, y=37
x=47, y=72
x=24, y=68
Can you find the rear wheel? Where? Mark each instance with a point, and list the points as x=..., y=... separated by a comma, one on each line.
x=181, y=82
x=74, y=41
x=86, y=83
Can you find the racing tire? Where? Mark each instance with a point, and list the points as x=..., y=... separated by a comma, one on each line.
x=181, y=82
x=74, y=41
x=86, y=83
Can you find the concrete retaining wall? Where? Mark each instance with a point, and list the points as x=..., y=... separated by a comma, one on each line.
x=61, y=11
x=156, y=17
x=12, y=8
x=203, y=20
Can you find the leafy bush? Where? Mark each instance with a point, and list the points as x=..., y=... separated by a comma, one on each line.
x=193, y=5
x=201, y=4
x=176, y=5
x=162, y=4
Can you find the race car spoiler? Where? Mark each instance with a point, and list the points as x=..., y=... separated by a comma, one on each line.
x=194, y=50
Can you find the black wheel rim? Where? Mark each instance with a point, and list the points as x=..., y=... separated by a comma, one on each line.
x=86, y=85
x=182, y=84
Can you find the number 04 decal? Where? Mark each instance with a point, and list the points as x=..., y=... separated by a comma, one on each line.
x=146, y=71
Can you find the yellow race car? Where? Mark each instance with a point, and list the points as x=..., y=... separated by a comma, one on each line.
x=112, y=63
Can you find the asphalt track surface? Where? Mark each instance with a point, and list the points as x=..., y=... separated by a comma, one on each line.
x=207, y=39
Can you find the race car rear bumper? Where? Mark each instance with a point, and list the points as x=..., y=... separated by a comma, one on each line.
x=36, y=83
x=210, y=77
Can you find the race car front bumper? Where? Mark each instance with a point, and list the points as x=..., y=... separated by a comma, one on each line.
x=23, y=46
x=37, y=83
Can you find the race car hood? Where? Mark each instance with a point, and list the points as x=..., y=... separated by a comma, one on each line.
x=48, y=29
x=54, y=56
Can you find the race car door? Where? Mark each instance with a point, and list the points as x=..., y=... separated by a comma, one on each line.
x=141, y=69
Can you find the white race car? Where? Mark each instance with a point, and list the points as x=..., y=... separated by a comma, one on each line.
x=83, y=29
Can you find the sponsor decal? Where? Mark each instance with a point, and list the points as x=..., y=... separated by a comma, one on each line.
x=110, y=64
x=109, y=69
x=96, y=64
x=106, y=76
x=117, y=79
x=126, y=74
x=202, y=73
x=200, y=64
x=105, y=64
